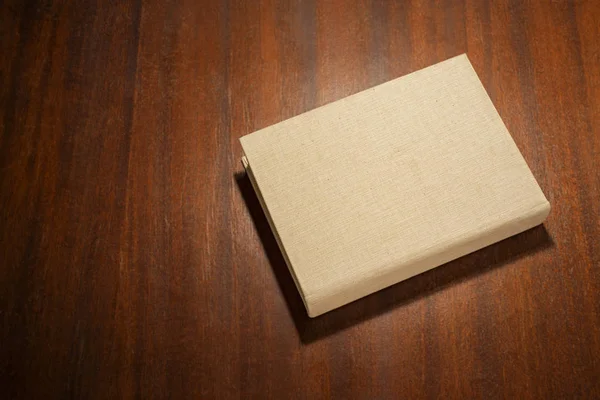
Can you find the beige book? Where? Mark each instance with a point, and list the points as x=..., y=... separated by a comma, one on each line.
x=382, y=185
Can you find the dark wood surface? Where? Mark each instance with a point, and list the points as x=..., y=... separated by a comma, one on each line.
x=135, y=259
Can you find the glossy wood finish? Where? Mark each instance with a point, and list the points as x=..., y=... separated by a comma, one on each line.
x=135, y=259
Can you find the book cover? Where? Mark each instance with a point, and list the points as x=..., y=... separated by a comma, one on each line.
x=390, y=182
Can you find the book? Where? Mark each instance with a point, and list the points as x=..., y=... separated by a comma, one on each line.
x=390, y=182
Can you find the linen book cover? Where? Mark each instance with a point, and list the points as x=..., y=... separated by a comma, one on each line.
x=390, y=182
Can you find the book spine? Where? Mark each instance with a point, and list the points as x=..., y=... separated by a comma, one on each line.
x=420, y=263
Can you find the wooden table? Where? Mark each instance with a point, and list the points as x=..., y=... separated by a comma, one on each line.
x=135, y=259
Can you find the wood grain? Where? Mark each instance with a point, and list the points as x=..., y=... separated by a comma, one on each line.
x=135, y=260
